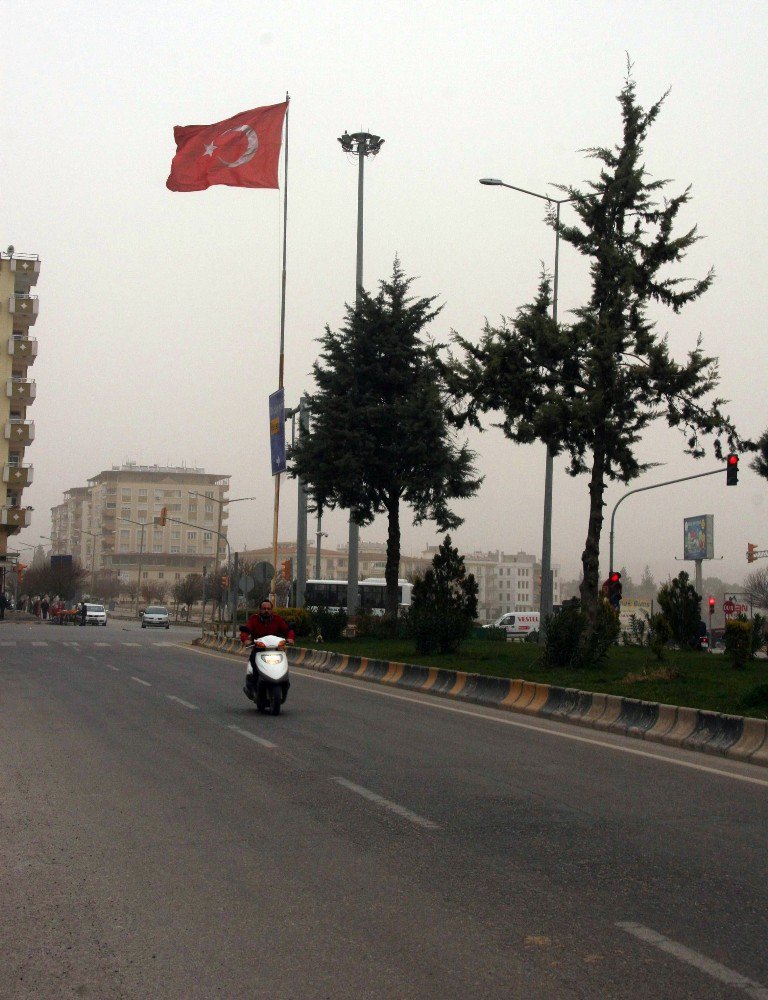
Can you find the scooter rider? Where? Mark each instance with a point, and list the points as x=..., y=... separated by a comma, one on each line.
x=266, y=622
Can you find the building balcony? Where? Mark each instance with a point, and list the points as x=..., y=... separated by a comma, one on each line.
x=18, y=475
x=23, y=349
x=23, y=308
x=15, y=518
x=20, y=432
x=25, y=268
x=23, y=390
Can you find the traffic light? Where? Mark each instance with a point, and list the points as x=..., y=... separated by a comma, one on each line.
x=711, y=605
x=286, y=569
x=225, y=581
x=614, y=589
x=751, y=549
x=732, y=470
x=163, y=516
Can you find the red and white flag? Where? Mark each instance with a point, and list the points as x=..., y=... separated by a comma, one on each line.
x=242, y=151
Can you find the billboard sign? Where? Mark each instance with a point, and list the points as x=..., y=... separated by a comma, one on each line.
x=277, y=431
x=699, y=537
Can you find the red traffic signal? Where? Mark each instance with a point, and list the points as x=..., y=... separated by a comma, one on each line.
x=614, y=577
x=614, y=589
x=751, y=549
x=732, y=470
x=711, y=605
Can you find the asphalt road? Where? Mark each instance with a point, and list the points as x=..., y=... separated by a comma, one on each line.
x=158, y=838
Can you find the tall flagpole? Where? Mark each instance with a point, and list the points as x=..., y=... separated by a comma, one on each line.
x=276, y=517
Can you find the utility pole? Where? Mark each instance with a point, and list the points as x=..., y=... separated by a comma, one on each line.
x=359, y=144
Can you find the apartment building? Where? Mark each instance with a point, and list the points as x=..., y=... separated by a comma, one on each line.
x=506, y=582
x=18, y=350
x=111, y=524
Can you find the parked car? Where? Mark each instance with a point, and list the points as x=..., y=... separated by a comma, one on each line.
x=155, y=617
x=518, y=624
x=95, y=614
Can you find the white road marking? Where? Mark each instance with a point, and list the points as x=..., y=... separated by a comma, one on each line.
x=252, y=736
x=74, y=645
x=140, y=681
x=112, y=667
x=186, y=704
x=103, y=645
x=39, y=643
x=165, y=645
x=386, y=804
x=697, y=960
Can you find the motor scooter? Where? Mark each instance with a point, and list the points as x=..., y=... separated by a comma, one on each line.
x=266, y=678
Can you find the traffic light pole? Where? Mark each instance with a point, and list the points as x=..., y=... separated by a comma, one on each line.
x=642, y=489
x=232, y=583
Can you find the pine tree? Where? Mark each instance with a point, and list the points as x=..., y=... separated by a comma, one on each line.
x=379, y=432
x=443, y=602
x=590, y=388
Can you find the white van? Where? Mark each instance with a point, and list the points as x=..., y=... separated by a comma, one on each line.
x=518, y=624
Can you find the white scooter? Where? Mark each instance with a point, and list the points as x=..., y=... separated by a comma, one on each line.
x=266, y=679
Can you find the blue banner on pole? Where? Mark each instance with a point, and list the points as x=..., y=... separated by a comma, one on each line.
x=277, y=431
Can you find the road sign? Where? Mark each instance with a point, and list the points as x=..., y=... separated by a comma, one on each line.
x=728, y=607
x=246, y=584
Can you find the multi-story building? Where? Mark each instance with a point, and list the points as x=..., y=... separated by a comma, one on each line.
x=18, y=350
x=505, y=582
x=110, y=524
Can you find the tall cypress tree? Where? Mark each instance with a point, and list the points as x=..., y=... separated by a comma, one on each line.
x=591, y=388
x=380, y=433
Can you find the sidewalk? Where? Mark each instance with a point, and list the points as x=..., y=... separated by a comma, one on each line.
x=20, y=618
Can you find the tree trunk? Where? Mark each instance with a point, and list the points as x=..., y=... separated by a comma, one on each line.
x=590, y=558
x=392, y=571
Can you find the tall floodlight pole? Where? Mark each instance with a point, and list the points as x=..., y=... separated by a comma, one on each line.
x=359, y=144
x=546, y=597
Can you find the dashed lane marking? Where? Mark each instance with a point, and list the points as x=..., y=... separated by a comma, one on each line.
x=140, y=681
x=387, y=804
x=39, y=643
x=130, y=643
x=186, y=704
x=254, y=737
x=706, y=965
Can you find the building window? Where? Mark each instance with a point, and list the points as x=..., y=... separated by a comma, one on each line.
x=175, y=534
x=191, y=549
x=175, y=549
x=160, y=576
x=191, y=535
x=207, y=536
x=125, y=533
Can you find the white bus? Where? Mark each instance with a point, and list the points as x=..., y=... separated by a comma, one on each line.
x=371, y=594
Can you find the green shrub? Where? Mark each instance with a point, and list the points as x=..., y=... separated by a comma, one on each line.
x=756, y=697
x=299, y=618
x=327, y=622
x=443, y=603
x=382, y=626
x=738, y=641
x=758, y=635
x=563, y=644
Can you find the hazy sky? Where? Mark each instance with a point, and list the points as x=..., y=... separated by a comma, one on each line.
x=159, y=311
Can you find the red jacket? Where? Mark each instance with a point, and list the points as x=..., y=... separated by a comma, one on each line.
x=274, y=625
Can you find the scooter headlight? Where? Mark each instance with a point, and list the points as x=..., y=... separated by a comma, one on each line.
x=272, y=659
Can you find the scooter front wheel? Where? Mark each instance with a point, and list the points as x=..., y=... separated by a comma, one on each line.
x=275, y=699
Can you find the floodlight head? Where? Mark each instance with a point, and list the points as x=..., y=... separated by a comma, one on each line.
x=493, y=181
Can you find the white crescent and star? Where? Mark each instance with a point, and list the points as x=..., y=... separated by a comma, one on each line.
x=250, y=152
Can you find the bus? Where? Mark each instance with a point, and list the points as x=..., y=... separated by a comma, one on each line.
x=371, y=594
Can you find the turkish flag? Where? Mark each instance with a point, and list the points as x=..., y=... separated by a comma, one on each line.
x=242, y=151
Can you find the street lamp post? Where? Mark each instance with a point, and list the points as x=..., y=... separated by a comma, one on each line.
x=221, y=537
x=359, y=144
x=546, y=597
x=142, y=525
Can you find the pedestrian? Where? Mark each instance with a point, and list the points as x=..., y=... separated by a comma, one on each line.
x=3, y=605
x=44, y=606
x=83, y=612
x=36, y=607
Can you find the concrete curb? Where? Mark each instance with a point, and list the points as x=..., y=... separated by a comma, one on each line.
x=733, y=736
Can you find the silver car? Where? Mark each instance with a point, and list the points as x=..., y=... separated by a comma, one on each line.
x=155, y=617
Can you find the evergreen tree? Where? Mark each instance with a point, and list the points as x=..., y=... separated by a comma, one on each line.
x=681, y=607
x=379, y=431
x=443, y=602
x=590, y=388
x=760, y=464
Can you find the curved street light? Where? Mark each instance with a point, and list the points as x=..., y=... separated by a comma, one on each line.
x=546, y=596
